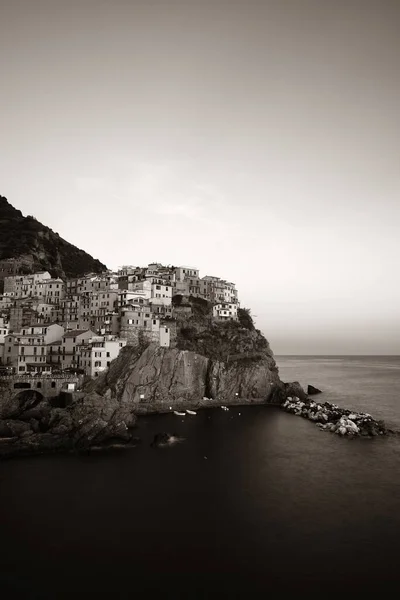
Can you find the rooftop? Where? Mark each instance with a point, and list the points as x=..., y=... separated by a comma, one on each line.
x=75, y=333
x=42, y=324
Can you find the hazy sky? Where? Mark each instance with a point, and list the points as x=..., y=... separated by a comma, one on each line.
x=257, y=140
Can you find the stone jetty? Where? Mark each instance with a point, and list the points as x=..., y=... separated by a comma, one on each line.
x=331, y=417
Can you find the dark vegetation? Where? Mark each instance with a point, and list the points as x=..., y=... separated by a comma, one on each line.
x=40, y=247
x=227, y=341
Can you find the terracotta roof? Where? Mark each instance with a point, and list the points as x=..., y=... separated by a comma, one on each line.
x=75, y=333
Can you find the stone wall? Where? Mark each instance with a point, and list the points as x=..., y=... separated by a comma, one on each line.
x=48, y=386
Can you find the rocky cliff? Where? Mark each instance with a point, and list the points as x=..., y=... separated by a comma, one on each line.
x=213, y=363
x=210, y=363
x=159, y=378
x=30, y=424
x=36, y=247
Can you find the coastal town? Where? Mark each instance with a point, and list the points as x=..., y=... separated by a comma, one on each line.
x=51, y=326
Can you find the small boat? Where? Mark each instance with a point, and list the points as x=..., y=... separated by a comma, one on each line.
x=191, y=412
x=180, y=414
x=224, y=408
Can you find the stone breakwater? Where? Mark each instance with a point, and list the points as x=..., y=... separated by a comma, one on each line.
x=331, y=417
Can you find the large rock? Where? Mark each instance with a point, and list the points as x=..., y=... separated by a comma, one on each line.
x=171, y=377
x=14, y=404
x=164, y=439
x=281, y=391
x=249, y=380
x=92, y=420
x=157, y=375
x=312, y=391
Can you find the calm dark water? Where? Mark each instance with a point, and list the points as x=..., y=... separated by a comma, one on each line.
x=248, y=504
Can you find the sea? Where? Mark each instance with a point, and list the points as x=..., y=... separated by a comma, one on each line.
x=252, y=502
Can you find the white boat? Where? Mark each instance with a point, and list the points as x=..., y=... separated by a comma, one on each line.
x=191, y=412
x=180, y=414
x=224, y=408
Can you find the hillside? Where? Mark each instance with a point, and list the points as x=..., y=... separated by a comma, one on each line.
x=38, y=248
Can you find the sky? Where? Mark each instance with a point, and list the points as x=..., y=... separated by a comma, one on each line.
x=257, y=140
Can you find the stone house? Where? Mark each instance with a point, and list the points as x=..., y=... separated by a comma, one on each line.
x=94, y=356
x=70, y=340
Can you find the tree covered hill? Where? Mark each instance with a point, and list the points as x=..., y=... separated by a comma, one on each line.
x=36, y=247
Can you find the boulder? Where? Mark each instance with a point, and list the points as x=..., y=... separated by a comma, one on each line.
x=311, y=390
x=89, y=421
x=163, y=438
x=14, y=428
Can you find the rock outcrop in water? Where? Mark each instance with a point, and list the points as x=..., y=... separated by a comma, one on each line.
x=331, y=417
x=90, y=421
x=312, y=391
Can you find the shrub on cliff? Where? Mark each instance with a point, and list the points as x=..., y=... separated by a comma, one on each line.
x=245, y=318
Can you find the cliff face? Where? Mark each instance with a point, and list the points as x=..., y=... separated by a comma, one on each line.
x=38, y=248
x=212, y=363
x=154, y=378
x=160, y=378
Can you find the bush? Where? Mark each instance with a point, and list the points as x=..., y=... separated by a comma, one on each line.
x=245, y=318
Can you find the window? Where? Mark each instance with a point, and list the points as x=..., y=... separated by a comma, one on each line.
x=39, y=384
x=158, y=287
x=154, y=322
x=108, y=355
x=108, y=363
x=53, y=384
x=22, y=350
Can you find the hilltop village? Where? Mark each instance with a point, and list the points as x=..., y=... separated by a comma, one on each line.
x=50, y=325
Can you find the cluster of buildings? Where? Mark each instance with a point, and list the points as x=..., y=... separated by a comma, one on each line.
x=49, y=325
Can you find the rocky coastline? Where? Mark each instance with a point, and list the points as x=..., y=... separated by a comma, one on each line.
x=330, y=417
x=152, y=380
